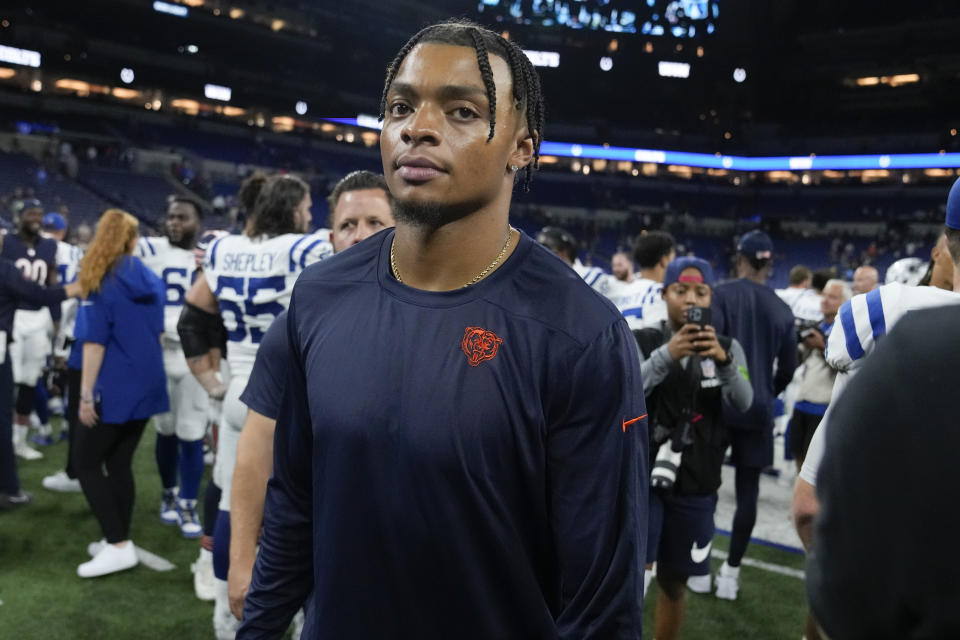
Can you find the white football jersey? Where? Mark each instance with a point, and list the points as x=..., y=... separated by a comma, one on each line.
x=68, y=267
x=861, y=323
x=68, y=262
x=805, y=303
x=641, y=301
x=253, y=279
x=177, y=268
x=865, y=318
x=590, y=275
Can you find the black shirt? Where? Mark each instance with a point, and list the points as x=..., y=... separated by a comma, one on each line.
x=889, y=485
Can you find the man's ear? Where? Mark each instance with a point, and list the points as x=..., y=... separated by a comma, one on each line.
x=525, y=143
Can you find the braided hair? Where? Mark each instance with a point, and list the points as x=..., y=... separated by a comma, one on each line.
x=526, y=82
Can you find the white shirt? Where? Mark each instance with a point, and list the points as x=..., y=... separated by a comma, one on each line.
x=805, y=303
x=253, y=279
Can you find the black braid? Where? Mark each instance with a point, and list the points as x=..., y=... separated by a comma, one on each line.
x=526, y=82
x=483, y=61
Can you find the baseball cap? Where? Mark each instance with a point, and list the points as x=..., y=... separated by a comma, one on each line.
x=953, y=206
x=676, y=267
x=54, y=221
x=30, y=203
x=756, y=245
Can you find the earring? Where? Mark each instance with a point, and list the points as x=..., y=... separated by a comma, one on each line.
x=513, y=167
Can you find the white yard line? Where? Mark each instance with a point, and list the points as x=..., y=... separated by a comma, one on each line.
x=154, y=561
x=763, y=566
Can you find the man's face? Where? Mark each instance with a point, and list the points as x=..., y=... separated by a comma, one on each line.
x=302, y=215
x=31, y=220
x=622, y=267
x=942, y=276
x=865, y=279
x=436, y=157
x=182, y=222
x=831, y=301
x=680, y=296
x=358, y=215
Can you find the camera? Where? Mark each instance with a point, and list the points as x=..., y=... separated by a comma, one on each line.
x=699, y=316
x=806, y=328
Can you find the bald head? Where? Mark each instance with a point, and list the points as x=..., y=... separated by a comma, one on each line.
x=865, y=279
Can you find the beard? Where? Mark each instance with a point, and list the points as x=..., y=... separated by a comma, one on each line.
x=185, y=241
x=430, y=214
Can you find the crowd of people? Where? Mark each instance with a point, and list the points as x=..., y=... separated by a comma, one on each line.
x=429, y=424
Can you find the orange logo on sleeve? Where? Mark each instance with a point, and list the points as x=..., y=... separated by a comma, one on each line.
x=479, y=344
x=627, y=423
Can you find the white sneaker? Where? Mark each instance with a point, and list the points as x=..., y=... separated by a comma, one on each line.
x=699, y=584
x=203, y=576
x=94, y=547
x=20, y=446
x=728, y=582
x=224, y=624
x=60, y=481
x=109, y=559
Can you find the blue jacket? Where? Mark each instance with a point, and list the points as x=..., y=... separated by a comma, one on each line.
x=126, y=316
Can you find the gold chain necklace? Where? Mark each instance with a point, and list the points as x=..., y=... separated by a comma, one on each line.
x=476, y=279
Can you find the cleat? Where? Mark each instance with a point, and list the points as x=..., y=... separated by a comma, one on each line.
x=188, y=520
x=202, y=569
x=14, y=500
x=168, y=507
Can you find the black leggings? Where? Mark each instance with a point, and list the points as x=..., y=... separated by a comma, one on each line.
x=748, y=492
x=73, y=421
x=109, y=446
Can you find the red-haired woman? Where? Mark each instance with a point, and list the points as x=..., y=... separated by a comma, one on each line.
x=122, y=384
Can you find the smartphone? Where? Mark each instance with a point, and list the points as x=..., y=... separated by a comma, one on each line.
x=699, y=316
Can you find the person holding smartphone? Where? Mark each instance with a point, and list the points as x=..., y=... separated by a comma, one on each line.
x=688, y=373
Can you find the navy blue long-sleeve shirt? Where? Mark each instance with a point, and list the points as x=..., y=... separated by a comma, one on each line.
x=16, y=290
x=763, y=325
x=464, y=464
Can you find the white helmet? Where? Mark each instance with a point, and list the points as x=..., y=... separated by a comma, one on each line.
x=908, y=271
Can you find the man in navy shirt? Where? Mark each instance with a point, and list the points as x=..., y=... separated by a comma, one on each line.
x=36, y=258
x=461, y=448
x=748, y=310
x=16, y=290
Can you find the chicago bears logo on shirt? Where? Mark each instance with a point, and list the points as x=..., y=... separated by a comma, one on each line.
x=479, y=344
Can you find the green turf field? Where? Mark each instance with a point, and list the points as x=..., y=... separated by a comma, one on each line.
x=43, y=599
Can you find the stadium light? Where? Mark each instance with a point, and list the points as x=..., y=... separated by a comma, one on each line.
x=171, y=9
x=543, y=58
x=673, y=69
x=24, y=57
x=606, y=63
x=739, y=74
x=126, y=75
x=300, y=108
x=734, y=163
x=217, y=92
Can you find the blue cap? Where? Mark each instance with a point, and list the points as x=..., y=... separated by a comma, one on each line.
x=676, y=267
x=756, y=245
x=54, y=221
x=953, y=206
